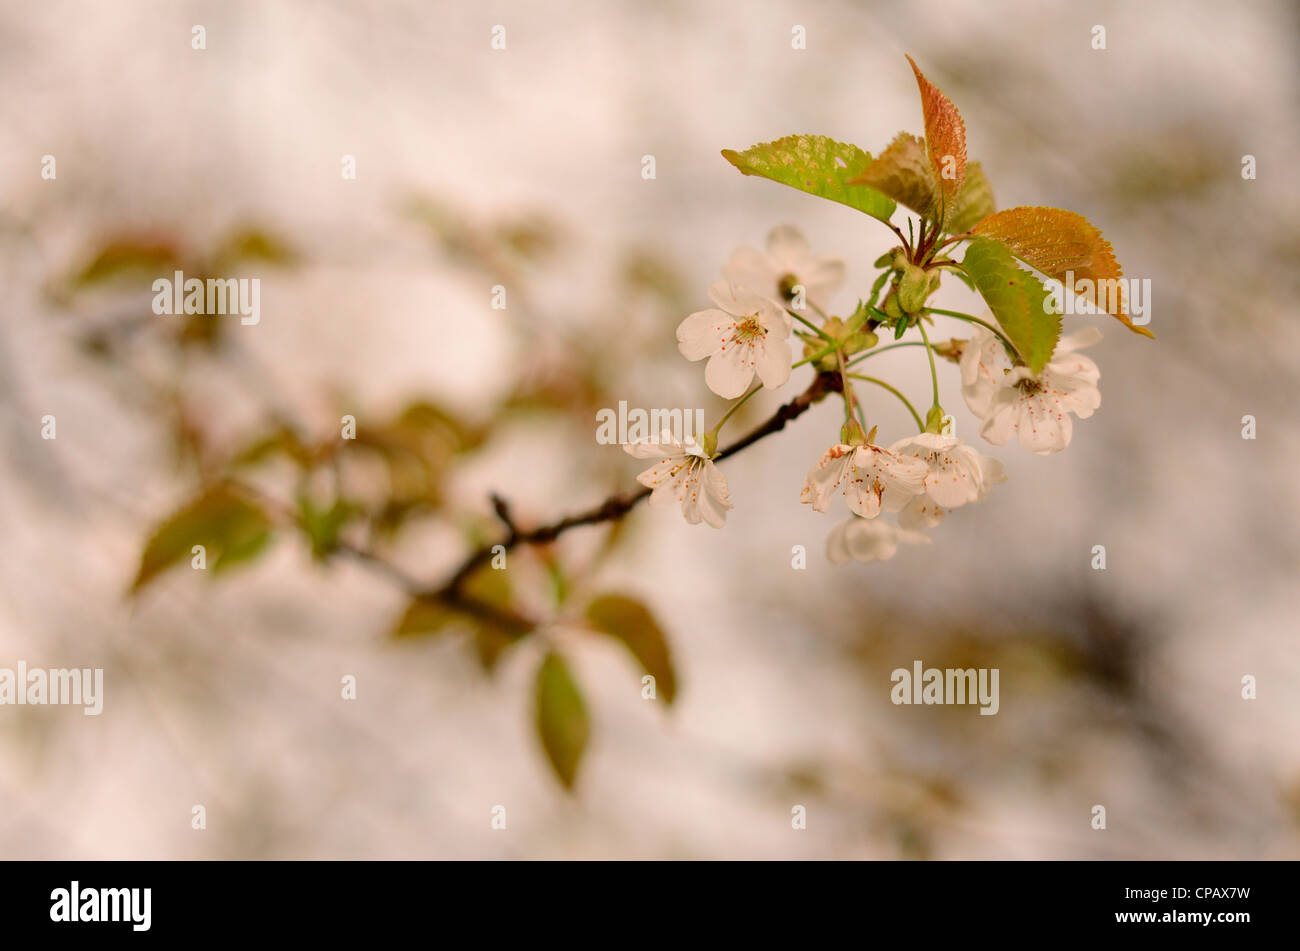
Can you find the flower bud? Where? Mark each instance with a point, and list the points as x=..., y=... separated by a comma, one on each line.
x=913, y=289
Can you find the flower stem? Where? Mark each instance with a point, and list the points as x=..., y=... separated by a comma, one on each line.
x=810, y=325
x=929, y=352
x=893, y=346
x=906, y=402
x=734, y=406
x=847, y=388
x=815, y=356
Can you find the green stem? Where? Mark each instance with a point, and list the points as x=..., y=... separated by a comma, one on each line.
x=920, y=424
x=810, y=325
x=929, y=352
x=815, y=356
x=892, y=346
x=734, y=406
x=847, y=388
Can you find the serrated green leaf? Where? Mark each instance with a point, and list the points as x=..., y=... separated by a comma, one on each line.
x=631, y=622
x=1016, y=298
x=230, y=528
x=817, y=165
x=974, y=201
x=562, y=723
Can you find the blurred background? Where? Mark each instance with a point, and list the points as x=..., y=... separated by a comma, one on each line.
x=522, y=167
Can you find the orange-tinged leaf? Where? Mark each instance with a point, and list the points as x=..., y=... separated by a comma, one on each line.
x=1060, y=243
x=903, y=173
x=945, y=135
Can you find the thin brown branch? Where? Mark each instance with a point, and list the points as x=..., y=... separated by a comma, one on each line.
x=617, y=506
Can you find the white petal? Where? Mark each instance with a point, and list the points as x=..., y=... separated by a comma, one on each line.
x=773, y=362
x=787, y=245
x=729, y=371
x=1077, y=341
x=825, y=477
x=704, y=332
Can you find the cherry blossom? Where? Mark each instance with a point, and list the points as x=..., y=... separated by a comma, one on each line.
x=867, y=540
x=958, y=474
x=685, y=474
x=787, y=262
x=871, y=478
x=1012, y=401
x=745, y=334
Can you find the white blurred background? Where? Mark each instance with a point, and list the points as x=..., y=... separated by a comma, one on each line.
x=1118, y=687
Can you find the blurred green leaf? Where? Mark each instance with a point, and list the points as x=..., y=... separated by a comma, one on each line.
x=423, y=618
x=229, y=527
x=323, y=525
x=491, y=636
x=562, y=721
x=631, y=622
x=254, y=244
x=148, y=256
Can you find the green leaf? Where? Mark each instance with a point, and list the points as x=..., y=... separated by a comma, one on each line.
x=816, y=165
x=253, y=244
x=423, y=618
x=491, y=637
x=561, y=718
x=1016, y=298
x=323, y=525
x=631, y=622
x=974, y=201
x=230, y=528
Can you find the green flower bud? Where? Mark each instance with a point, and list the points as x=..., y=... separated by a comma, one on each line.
x=913, y=289
x=891, y=306
x=862, y=340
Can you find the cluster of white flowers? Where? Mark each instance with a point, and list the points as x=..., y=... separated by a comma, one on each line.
x=918, y=478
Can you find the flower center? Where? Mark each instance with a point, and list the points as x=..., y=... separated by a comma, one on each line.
x=749, y=330
x=787, y=284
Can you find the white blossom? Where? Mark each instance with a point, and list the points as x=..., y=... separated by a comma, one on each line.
x=1012, y=401
x=957, y=474
x=862, y=539
x=746, y=333
x=684, y=474
x=871, y=478
x=786, y=262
